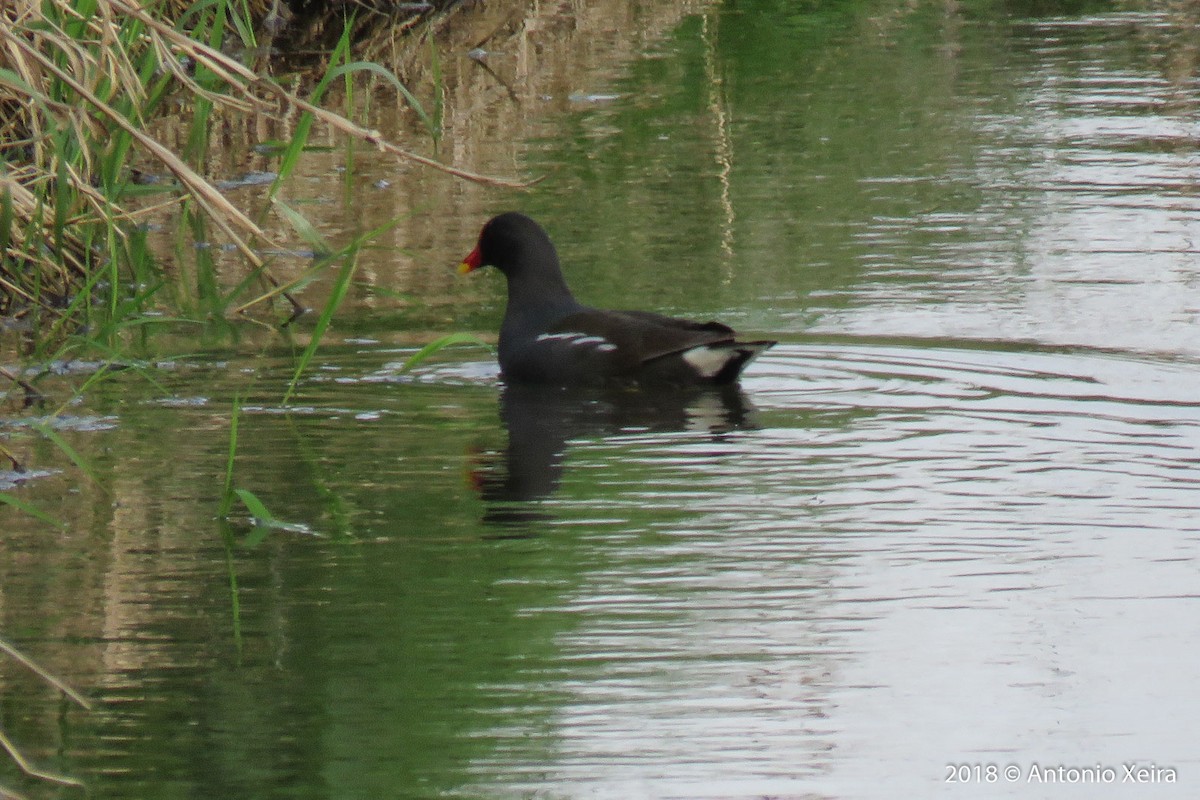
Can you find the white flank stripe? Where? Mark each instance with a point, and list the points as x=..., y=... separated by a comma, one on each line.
x=576, y=339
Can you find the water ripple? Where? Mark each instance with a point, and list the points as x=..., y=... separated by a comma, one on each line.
x=895, y=510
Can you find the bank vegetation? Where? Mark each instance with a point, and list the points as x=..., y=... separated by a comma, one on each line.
x=83, y=84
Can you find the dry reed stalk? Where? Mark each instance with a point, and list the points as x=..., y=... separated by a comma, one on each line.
x=218, y=208
x=7, y=745
x=43, y=673
x=29, y=769
x=96, y=64
x=234, y=73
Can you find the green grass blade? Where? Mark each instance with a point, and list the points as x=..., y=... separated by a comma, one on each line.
x=14, y=81
x=440, y=344
x=340, y=287
x=302, y=226
x=6, y=218
x=31, y=510
x=241, y=20
x=389, y=76
x=291, y=154
x=70, y=452
x=256, y=507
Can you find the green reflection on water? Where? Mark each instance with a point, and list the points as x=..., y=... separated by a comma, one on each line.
x=413, y=650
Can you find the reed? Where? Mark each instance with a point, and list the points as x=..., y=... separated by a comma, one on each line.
x=10, y=747
x=81, y=81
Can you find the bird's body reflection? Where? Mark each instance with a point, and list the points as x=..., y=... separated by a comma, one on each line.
x=542, y=420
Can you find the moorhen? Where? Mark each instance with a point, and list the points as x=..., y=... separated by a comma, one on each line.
x=549, y=337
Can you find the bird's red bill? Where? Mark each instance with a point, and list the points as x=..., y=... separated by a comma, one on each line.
x=471, y=262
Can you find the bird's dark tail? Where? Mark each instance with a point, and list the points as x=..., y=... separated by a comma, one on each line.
x=740, y=356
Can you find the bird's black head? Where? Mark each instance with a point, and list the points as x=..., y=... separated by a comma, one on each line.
x=512, y=242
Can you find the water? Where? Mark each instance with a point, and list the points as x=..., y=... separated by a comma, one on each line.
x=947, y=528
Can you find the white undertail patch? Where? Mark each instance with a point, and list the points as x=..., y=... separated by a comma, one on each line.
x=707, y=360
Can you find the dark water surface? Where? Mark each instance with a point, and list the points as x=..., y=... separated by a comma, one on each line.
x=949, y=526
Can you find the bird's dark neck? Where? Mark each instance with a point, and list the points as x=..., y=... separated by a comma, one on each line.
x=537, y=291
x=537, y=304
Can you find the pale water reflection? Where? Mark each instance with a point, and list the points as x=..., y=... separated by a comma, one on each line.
x=1074, y=219
x=922, y=558
x=952, y=519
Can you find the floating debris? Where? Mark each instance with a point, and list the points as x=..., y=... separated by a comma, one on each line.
x=583, y=97
x=253, y=178
x=11, y=478
x=182, y=402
